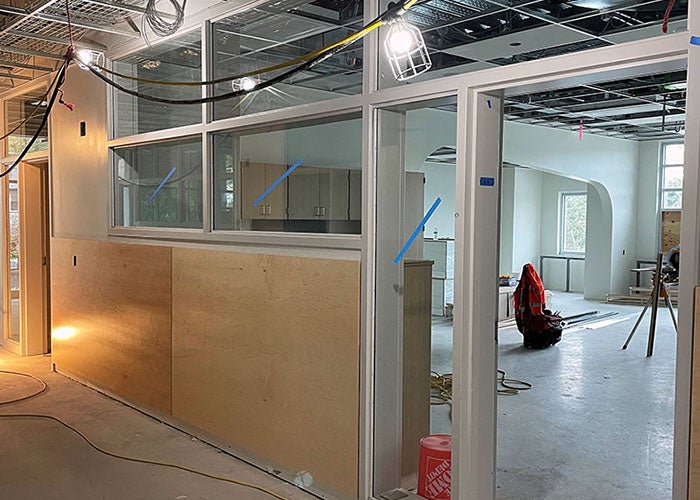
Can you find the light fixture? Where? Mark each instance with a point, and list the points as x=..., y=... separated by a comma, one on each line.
x=406, y=50
x=150, y=64
x=246, y=83
x=90, y=58
x=676, y=86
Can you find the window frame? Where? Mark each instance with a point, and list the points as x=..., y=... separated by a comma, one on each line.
x=662, y=170
x=561, y=233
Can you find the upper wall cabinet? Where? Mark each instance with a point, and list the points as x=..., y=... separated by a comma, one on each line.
x=355, y=208
x=318, y=194
x=255, y=179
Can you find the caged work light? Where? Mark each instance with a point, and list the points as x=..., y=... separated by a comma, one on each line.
x=246, y=83
x=86, y=58
x=406, y=50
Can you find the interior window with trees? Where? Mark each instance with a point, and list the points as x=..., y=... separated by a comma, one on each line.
x=572, y=216
x=159, y=185
x=672, y=176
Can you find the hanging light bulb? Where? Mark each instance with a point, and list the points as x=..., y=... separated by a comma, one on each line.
x=90, y=58
x=246, y=83
x=408, y=55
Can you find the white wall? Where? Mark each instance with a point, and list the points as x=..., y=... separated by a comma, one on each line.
x=507, y=211
x=526, y=218
x=610, y=162
x=648, y=226
x=440, y=181
x=554, y=271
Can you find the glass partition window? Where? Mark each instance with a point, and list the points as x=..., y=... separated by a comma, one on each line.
x=276, y=32
x=159, y=185
x=24, y=113
x=672, y=176
x=178, y=59
x=299, y=178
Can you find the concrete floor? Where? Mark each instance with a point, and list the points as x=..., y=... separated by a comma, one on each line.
x=43, y=460
x=598, y=423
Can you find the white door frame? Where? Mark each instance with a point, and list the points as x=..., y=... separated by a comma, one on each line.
x=474, y=361
x=478, y=376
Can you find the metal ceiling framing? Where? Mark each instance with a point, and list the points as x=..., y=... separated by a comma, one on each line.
x=644, y=108
x=35, y=38
x=459, y=33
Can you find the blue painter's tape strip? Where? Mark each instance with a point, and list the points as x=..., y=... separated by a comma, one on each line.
x=487, y=181
x=418, y=230
x=695, y=40
x=162, y=183
x=277, y=182
x=488, y=101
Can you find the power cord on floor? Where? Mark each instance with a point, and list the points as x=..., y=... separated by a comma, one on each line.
x=511, y=386
x=116, y=455
x=24, y=398
x=441, y=387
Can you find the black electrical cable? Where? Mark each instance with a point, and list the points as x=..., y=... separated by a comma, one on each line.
x=44, y=388
x=30, y=396
x=58, y=81
x=221, y=97
x=392, y=12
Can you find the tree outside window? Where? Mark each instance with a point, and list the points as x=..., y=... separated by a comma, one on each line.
x=672, y=176
x=572, y=216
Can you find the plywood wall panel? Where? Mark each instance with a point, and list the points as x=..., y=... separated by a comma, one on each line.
x=670, y=229
x=266, y=356
x=694, y=472
x=111, y=317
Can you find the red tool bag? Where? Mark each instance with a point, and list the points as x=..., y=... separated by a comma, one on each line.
x=540, y=326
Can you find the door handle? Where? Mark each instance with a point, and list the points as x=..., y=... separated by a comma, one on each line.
x=323, y=211
x=269, y=210
x=262, y=209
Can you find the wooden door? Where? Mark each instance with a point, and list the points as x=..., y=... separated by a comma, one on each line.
x=34, y=254
x=276, y=201
x=304, y=194
x=26, y=261
x=252, y=186
x=355, y=209
x=333, y=193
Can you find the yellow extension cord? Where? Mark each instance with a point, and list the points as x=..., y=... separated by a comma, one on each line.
x=44, y=387
x=441, y=387
x=348, y=39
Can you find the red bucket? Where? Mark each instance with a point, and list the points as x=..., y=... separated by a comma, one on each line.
x=435, y=467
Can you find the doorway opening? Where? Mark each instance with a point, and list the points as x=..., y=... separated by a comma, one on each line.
x=415, y=218
x=25, y=242
x=585, y=197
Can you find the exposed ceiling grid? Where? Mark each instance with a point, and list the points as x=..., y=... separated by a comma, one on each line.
x=462, y=35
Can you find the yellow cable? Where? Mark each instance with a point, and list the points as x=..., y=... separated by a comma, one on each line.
x=291, y=62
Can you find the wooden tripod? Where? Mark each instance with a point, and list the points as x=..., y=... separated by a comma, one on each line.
x=659, y=290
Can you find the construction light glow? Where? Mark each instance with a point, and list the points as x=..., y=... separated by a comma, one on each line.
x=86, y=58
x=63, y=332
x=246, y=83
x=406, y=50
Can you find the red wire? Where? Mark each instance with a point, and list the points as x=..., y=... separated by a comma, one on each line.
x=667, y=14
x=70, y=27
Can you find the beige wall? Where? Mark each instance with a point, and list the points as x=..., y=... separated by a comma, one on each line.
x=79, y=165
x=261, y=351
